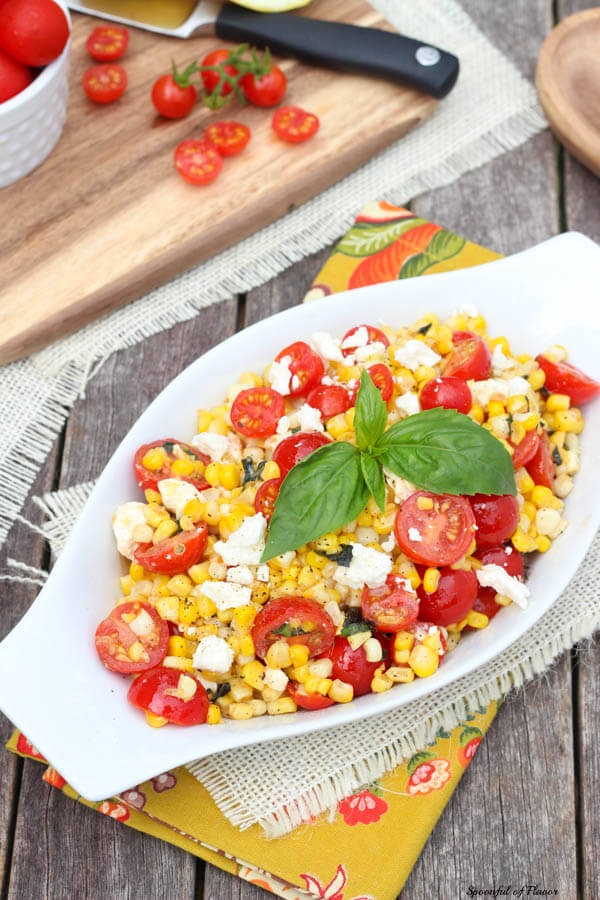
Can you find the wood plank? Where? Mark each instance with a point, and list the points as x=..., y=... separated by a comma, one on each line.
x=62, y=849
x=131, y=209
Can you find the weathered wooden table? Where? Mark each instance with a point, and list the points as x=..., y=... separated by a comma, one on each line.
x=526, y=812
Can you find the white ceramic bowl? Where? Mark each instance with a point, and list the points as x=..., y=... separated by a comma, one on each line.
x=32, y=121
x=75, y=711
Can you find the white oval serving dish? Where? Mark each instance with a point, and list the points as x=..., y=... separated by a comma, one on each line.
x=52, y=685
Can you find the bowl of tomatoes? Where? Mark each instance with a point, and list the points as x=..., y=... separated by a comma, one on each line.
x=34, y=65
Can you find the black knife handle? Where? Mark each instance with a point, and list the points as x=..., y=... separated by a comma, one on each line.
x=336, y=45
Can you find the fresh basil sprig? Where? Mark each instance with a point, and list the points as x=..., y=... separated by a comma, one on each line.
x=439, y=450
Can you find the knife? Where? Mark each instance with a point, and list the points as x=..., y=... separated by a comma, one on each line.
x=335, y=45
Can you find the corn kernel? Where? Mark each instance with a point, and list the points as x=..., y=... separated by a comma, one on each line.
x=259, y=707
x=271, y=470
x=558, y=402
x=477, y=619
x=364, y=520
x=137, y=652
x=260, y=593
x=247, y=645
x=525, y=482
x=166, y=529
x=213, y=717
x=349, y=416
x=431, y=579
x=182, y=468
x=281, y=706
x=188, y=610
x=155, y=514
x=152, y=496
x=184, y=664
x=476, y=412
x=311, y=683
x=299, y=673
x=230, y=476
x=341, y=691
x=425, y=373
x=203, y=419
x=543, y=543
x=478, y=325
x=155, y=721
x=502, y=342
x=569, y=420
x=516, y=404
x=522, y=542
x=240, y=711
x=253, y=674
x=373, y=650
x=298, y=654
x=328, y=543
x=177, y=646
x=244, y=616
x=168, y=608
x=400, y=674
x=423, y=660
x=517, y=432
x=337, y=425
x=444, y=344
x=537, y=379
x=381, y=683
x=180, y=585
x=154, y=459
x=403, y=640
x=543, y=496
x=495, y=408
x=531, y=422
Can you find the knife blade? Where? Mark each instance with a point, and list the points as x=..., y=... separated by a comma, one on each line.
x=318, y=42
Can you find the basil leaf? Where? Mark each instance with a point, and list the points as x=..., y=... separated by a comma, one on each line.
x=252, y=473
x=444, y=451
x=323, y=492
x=288, y=630
x=373, y=475
x=342, y=557
x=355, y=628
x=370, y=417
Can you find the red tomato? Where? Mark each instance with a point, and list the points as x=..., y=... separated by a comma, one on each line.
x=171, y=100
x=563, y=378
x=294, y=448
x=511, y=560
x=452, y=600
x=375, y=336
x=105, y=83
x=33, y=32
x=107, y=42
x=303, y=699
x=14, y=77
x=229, y=138
x=391, y=607
x=382, y=378
x=266, y=495
x=296, y=620
x=266, y=90
x=329, y=399
x=470, y=358
x=448, y=392
x=294, y=124
x=114, y=637
x=256, y=411
x=496, y=518
x=352, y=666
x=155, y=692
x=526, y=449
x=541, y=466
x=197, y=162
x=306, y=367
x=211, y=79
x=149, y=478
x=445, y=532
x=175, y=554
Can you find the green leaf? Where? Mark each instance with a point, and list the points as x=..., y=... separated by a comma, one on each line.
x=342, y=557
x=250, y=472
x=370, y=417
x=366, y=238
x=322, y=493
x=356, y=628
x=446, y=452
x=442, y=246
x=373, y=475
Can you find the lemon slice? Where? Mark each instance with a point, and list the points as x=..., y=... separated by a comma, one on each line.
x=271, y=6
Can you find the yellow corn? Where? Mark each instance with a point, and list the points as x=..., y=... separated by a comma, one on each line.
x=444, y=344
x=477, y=620
x=525, y=482
x=517, y=404
x=423, y=660
x=253, y=674
x=403, y=640
x=364, y=519
x=328, y=543
x=137, y=652
x=543, y=496
x=260, y=593
x=136, y=572
x=199, y=573
x=230, y=523
x=271, y=470
x=177, y=646
x=155, y=721
x=182, y=663
x=537, y=379
x=279, y=656
x=225, y=616
x=531, y=422
x=154, y=459
x=522, y=542
x=337, y=425
x=495, y=408
x=168, y=608
x=212, y=474
x=478, y=325
x=188, y=610
x=230, y=476
x=517, y=432
x=476, y=412
x=298, y=654
x=281, y=706
x=152, y=496
x=180, y=585
x=259, y=707
x=431, y=579
x=244, y=616
x=308, y=577
x=166, y=529
x=126, y=584
x=400, y=674
x=349, y=416
x=182, y=467
x=203, y=419
x=247, y=645
x=299, y=673
x=543, y=543
x=380, y=682
x=341, y=691
x=213, y=717
x=558, y=402
x=206, y=607
x=240, y=711
x=569, y=420
x=155, y=514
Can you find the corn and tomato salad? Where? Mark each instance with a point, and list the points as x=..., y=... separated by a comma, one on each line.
x=208, y=631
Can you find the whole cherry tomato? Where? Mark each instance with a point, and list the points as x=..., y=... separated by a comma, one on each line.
x=212, y=78
x=171, y=100
x=511, y=560
x=34, y=32
x=305, y=366
x=448, y=392
x=496, y=518
x=352, y=666
x=266, y=90
x=329, y=399
x=294, y=448
x=14, y=77
x=453, y=598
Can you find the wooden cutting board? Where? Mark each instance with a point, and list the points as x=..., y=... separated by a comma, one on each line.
x=106, y=217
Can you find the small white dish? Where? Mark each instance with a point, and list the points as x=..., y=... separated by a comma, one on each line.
x=52, y=685
x=32, y=122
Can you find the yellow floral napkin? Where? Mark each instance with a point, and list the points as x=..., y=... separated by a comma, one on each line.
x=367, y=850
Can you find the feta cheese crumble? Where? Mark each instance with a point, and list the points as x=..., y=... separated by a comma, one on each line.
x=240, y=575
x=368, y=566
x=176, y=494
x=328, y=347
x=360, y=338
x=213, y=445
x=276, y=679
x=507, y=585
x=213, y=654
x=415, y=535
x=245, y=546
x=415, y=353
x=226, y=595
x=401, y=488
x=280, y=375
x=409, y=403
x=500, y=362
x=124, y=522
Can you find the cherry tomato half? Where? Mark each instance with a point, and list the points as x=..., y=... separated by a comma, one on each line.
x=296, y=620
x=14, y=77
x=105, y=83
x=470, y=358
x=329, y=399
x=292, y=449
x=382, y=379
x=157, y=691
x=438, y=536
x=175, y=554
x=256, y=411
x=496, y=518
x=293, y=124
x=229, y=138
x=128, y=624
x=306, y=367
x=511, y=560
x=149, y=478
x=197, y=162
x=563, y=378
x=453, y=598
x=392, y=606
x=352, y=666
x=212, y=78
x=376, y=336
x=107, y=42
x=304, y=700
x=448, y=392
x=267, y=90
x=266, y=495
x=526, y=449
x=541, y=466
x=34, y=32
x=171, y=100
